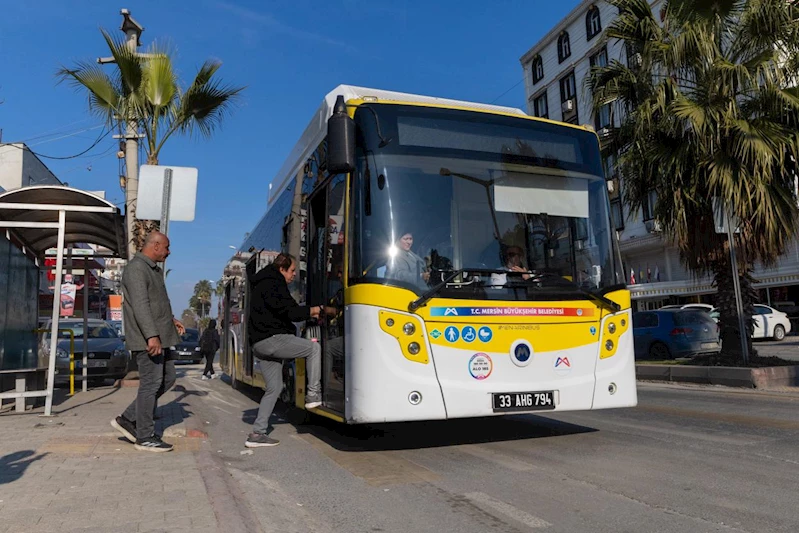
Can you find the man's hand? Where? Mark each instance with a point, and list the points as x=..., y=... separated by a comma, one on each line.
x=330, y=311
x=315, y=310
x=525, y=274
x=180, y=326
x=154, y=346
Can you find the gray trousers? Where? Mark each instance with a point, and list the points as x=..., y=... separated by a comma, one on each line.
x=271, y=353
x=156, y=376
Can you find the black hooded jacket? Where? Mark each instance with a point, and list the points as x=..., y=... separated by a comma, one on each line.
x=272, y=309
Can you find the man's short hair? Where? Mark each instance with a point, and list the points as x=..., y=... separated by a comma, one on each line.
x=284, y=261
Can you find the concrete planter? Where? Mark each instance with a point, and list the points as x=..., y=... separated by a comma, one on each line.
x=753, y=378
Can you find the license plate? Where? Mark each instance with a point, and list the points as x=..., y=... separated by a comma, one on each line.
x=709, y=345
x=185, y=353
x=523, y=401
x=91, y=364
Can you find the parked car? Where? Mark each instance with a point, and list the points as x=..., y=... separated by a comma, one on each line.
x=117, y=325
x=107, y=357
x=671, y=333
x=189, y=347
x=770, y=323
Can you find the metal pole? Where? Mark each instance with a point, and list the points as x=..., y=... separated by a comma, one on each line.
x=743, y=332
x=48, y=404
x=165, y=201
x=84, y=371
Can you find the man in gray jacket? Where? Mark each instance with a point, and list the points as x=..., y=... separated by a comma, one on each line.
x=150, y=329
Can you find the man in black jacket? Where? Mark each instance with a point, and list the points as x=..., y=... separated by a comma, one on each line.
x=273, y=337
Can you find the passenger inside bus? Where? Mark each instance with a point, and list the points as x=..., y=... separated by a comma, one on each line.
x=406, y=265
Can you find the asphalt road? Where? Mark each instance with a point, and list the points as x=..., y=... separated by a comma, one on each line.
x=687, y=459
x=788, y=348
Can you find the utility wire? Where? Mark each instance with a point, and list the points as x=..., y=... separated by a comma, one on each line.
x=506, y=92
x=95, y=143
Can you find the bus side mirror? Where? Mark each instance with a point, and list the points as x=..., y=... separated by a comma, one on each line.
x=340, y=140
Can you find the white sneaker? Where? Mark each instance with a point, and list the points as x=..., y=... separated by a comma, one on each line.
x=205, y=378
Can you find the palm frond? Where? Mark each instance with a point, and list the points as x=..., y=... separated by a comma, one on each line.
x=104, y=97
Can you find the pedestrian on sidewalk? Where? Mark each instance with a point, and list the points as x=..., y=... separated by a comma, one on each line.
x=274, y=339
x=209, y=344
x=150, y=329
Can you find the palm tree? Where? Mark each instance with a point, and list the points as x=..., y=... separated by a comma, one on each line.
x=709, y=109
x=202, y=292
x=219, y=291
x=144, y=90
x=189, y=318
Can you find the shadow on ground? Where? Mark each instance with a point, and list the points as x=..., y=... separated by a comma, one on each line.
x=413, y=435
x=13, y=465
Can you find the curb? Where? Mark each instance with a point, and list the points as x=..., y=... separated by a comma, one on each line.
x=752, y=378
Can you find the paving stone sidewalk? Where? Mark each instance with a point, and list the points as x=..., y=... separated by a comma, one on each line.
x=73, y=471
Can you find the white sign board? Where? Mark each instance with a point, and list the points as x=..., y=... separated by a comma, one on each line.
x=151, y=193
x=720, y=216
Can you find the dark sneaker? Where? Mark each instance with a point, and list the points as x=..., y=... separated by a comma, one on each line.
x=260, y=440
x=153, y=444
x=312, y=401
x=125, y=427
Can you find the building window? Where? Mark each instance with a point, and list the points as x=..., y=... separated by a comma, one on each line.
x=538, y=69
x=568, y=99
x=634, y=58
x=540, y=106
x=568, y=88
x=603, y=117
x=600, y=59
x=617, y=214
x=610, y=166
x=564, y=47
x=593, y=24
x=649, y=205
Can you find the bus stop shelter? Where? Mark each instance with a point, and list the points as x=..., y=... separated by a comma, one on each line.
x=45, y=217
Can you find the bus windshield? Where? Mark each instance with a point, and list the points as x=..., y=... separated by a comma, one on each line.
x=519, y=201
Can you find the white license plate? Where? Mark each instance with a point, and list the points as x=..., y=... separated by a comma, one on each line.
x=710, y=345
x=92, y=364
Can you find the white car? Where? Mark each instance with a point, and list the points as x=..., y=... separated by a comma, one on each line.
x=770, y=323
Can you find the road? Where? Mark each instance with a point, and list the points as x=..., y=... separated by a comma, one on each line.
x=787, y=349
x=687, y=459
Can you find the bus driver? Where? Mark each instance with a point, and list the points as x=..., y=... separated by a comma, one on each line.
x=273, y=336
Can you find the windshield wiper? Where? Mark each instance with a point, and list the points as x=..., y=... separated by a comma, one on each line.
x=423, y=299
x=563, y=282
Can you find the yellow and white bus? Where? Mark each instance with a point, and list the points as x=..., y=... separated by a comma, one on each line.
x=469, y=251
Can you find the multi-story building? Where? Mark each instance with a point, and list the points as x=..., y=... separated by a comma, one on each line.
x=19, y=167
x=556, y=69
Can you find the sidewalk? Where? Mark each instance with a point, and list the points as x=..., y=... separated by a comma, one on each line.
x=74, y=472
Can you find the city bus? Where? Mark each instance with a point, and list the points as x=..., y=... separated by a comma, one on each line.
x=467, y=250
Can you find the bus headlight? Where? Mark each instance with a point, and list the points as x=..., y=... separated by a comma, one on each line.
x=413, y=348
x=409, y=328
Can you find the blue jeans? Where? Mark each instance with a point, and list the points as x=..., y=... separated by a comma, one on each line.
x=272, y=352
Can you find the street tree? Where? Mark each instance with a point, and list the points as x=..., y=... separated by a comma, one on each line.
x=708, y=107
x=144, y=90
x=202, y=292
x=189, y=318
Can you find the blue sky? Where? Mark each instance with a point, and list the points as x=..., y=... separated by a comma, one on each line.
x=288, y=54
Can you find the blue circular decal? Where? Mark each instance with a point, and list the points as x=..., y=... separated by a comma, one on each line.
x=521, y=353
x=485, y=334
x=451, y=334
x=469, y=334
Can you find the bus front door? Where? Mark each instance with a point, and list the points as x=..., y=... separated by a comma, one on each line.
x=325, y=284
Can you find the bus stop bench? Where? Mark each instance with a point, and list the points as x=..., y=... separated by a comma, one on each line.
x=21, y=384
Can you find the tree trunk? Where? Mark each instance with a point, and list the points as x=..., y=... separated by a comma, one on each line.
x=725, y=302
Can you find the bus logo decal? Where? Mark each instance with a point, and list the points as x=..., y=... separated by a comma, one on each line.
x=435, y=334
x=521, y=353
x=562, y=365
x=451, y=311
x=512, y=311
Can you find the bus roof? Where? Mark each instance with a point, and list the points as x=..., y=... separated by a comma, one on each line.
x=317, y=128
